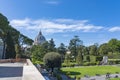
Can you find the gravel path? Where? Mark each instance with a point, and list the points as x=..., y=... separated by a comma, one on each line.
x=102, y=77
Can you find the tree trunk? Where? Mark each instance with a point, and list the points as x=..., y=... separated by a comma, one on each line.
x=52, y=70
x=3, y=55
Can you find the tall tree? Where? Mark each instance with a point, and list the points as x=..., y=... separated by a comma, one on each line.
x=18, y=50
x=51, y=46
x=93, y=49
x=14, y=34
x=79, y=58
x=37, y=53
x=3, y=27
x=67, y=59
x=104, y=49
x=74, y=44
x=114, y=45
x=10, y=47
x=62, y=50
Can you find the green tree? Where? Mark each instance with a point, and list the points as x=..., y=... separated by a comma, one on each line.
x=3, y=26
x=37, y=53
x=10, y=47
x=67, y=59
x=114, y=45
x=18, y=51
x=24, y=40
x=74, y=44
x=51, y=46
x=62, y=50
x=52, y=60
x=104, y=49
x=93, y=50
x=79, y=58
x=14, y=34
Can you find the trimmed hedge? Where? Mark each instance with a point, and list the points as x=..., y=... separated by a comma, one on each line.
x=99, y=58
x=114, y=61
x=89, y=63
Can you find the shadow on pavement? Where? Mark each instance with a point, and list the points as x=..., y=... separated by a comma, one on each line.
x=11, y=71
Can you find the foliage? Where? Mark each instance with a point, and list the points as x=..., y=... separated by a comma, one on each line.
x=74, y=44
x=18, y=51
x=62, y=50
x=10, y=47
x=51, y=46
x=114, y=61
x=52, y=60
x=93, y=50
x=78, y=77
x=104, y=49
x=38, y=53
x=114, y=45
x=67, y=59
x=79, y=58
x=8, y=32
x=88, y=58
x=99, y=58
x=59, y=77
x=93, y=58
x=89, y=63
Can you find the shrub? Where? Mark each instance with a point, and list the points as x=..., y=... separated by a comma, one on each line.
x=92, y=58
x=114, y=61
x=58, y=77
x=86, y=64
x=88, y=58
x=52, y=60
x=78, y=78
x=89, y=63
x=99, y=58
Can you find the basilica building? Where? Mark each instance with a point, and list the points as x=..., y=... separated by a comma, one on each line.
x=40, y=39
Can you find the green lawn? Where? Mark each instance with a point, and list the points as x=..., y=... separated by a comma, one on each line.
x=90, y=70
x=115, y=79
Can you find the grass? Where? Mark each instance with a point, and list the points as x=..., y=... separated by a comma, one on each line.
x=115, y=79
x=90, y=70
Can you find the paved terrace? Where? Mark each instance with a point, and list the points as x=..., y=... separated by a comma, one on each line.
x=22, y=70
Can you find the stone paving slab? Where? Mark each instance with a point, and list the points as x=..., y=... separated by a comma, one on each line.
x=11, y=71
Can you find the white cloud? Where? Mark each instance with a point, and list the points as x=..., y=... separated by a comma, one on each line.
x=53, y=2
x=114, y=29
x=55, y=25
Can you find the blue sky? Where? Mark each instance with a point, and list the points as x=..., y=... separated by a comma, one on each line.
x=94, y=21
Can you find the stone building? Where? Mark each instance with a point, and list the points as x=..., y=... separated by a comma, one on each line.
x=40, y=39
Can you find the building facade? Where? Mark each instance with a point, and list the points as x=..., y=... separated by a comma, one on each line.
x=40, y=39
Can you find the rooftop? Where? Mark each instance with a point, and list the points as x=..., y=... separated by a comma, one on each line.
x=10, y=70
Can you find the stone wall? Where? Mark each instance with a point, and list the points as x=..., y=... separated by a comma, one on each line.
x=30, y=72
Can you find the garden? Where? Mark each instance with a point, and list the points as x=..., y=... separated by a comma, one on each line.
x=90, y=70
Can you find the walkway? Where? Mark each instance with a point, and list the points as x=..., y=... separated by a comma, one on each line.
x=102, y=77
x=11, y=71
